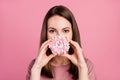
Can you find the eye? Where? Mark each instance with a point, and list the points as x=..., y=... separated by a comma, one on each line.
x=66, y=31
x=52, y=31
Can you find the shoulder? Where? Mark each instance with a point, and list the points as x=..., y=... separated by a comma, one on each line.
x=29, y=69
x=91, y=70
x=32, y=62
x=90, y=64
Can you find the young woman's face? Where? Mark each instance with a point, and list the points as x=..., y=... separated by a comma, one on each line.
x=58, y=25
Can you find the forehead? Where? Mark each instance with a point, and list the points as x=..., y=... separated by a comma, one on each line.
x=58, y=22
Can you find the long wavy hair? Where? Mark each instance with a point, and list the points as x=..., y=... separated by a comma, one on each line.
x=67, y=14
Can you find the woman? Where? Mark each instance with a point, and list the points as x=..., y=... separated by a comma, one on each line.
x=59, y=20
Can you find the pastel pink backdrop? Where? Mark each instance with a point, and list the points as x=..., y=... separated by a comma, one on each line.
x=20, y=25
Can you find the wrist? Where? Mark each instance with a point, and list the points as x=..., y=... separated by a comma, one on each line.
x=36, y=69
x=82, y=67
x=83, y=72
x=35, y=73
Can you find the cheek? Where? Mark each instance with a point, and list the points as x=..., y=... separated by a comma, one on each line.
x=69, y=36
x=50, y=35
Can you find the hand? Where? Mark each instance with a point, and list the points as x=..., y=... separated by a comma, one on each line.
x=77, y=57
x=42, y=58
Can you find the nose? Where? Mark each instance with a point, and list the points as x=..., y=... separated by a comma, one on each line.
x=59, y=33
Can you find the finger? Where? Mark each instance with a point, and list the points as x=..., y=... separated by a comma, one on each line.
x=67, y=55
x=73, y=43
x=72, y=58
x=79, y=50
x=46, y=42
x=51, y=56
x=44, y=46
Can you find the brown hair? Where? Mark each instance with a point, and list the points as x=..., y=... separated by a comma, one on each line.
x=67, y=14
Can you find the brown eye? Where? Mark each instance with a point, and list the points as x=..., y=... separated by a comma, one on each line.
x=66, y=31
x=51, y=31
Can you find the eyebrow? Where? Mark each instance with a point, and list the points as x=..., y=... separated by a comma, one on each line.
x=66, y=28
x=51, y=28
x=63, y=28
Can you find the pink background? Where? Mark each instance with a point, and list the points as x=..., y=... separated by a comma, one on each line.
x=20, y=25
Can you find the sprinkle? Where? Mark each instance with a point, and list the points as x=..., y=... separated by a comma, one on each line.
x=59, y=45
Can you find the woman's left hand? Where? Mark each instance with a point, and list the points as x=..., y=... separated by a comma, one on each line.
x=77, y=57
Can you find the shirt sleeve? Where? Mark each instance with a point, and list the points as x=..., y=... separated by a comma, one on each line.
x=91, y=71
x=29, y=69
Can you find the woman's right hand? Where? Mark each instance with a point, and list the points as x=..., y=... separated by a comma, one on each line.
x=42, y=58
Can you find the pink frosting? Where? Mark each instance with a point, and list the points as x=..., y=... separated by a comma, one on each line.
x=59, y=45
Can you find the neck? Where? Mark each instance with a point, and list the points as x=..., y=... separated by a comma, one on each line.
x=60, y=60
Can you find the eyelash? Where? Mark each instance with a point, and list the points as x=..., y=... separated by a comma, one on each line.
x=52, y=31
x=66, y=31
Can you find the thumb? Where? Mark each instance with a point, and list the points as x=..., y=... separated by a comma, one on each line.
x=51, y=56
x=67, y=55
